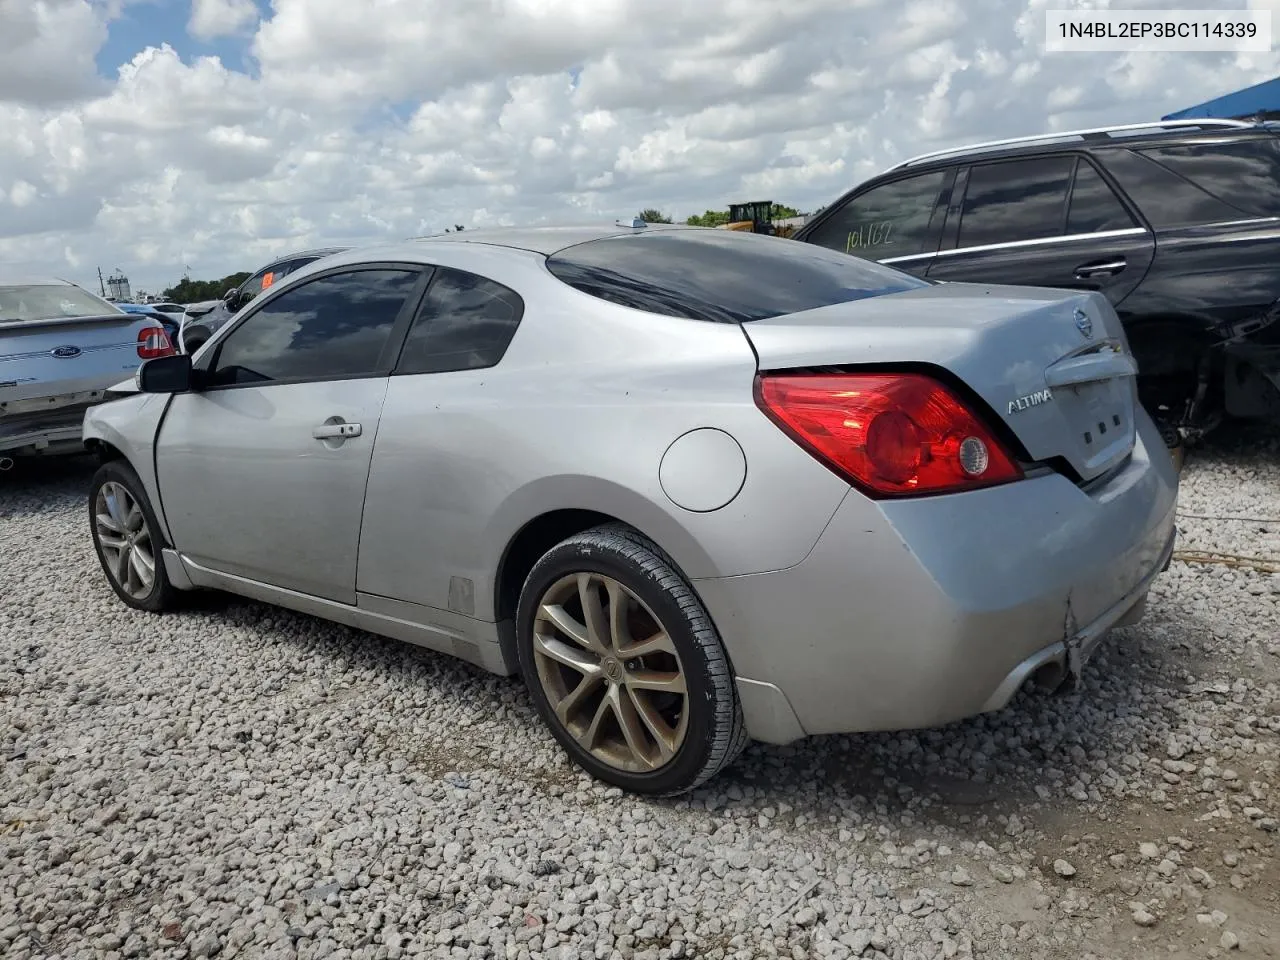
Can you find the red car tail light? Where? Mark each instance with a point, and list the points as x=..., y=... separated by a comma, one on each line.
x=891, y=434
x=154, y=342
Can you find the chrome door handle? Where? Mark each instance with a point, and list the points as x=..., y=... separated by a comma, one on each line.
x=1087, y=270
x=336, y=431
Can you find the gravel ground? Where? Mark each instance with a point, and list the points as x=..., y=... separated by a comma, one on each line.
x=238, y=781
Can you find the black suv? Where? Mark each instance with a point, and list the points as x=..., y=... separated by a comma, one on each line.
x=1177, y=223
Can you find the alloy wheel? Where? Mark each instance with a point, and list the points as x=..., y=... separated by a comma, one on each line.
x=610, y=672
x=125, y=540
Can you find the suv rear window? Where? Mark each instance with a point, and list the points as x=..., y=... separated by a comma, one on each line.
x=721, y=275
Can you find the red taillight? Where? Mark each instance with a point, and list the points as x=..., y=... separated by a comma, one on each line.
x=154, y=342
x=890, y=434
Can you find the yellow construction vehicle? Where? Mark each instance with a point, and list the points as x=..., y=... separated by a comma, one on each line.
x=756, y=216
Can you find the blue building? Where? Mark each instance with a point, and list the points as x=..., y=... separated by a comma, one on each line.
x=1259, y=102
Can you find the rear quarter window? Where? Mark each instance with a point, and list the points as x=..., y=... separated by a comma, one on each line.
x=1243, y=173
x=1168, y=199
x=720, y=275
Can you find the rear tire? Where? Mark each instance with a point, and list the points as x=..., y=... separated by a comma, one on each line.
x=625, y=666
x=127, y=539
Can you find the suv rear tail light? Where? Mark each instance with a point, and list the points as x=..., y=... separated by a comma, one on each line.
x=154, y=342
x=891, y=435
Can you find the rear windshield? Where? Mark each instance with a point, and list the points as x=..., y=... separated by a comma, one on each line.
x=50, y=301
x=721, y=275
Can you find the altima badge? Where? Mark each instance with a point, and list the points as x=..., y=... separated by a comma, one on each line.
x=1030, y=400
x=1083, y=323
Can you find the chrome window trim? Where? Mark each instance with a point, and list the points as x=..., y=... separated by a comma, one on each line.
x=1016, y=244
x=1228, y=223
x=1068, y=238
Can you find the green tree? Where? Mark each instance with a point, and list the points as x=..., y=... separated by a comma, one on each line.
x=193, y=291
x=712, y=218
x=654, y=216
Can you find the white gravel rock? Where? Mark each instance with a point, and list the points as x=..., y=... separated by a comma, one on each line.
x=237, y=781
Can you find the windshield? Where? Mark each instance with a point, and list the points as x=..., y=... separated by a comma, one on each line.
x=50, y=301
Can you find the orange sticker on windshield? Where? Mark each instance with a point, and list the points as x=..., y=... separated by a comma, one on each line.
x=267, y=280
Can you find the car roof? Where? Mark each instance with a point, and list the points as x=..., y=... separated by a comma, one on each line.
x=17, y=281
x=1101, y=138
x=541, y=241
x=314, y=252
x=547, y=239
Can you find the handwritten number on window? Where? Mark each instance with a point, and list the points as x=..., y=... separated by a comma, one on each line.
x=875, y=234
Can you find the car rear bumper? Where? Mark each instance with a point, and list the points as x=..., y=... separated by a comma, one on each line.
x=52, y=424
x=915, y=613
x=58, y=431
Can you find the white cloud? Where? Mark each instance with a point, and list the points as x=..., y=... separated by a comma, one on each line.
x=46, y=50
x=348, y=121
x=22, y=193
x=220, y=18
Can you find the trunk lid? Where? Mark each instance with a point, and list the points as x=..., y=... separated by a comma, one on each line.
x=67, y=356
x=1053, y=365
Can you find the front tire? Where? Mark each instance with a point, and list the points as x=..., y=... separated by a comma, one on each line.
x=625, y=666
x=126, y=537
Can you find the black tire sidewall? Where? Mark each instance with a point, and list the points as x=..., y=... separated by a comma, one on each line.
x=120, y=472
x=692, y=758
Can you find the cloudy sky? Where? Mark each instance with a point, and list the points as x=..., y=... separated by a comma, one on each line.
x=152, y=135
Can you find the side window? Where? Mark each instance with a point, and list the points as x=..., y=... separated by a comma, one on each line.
x=887, y=221
x=1094, y=205
x=1165, y=199
x=251, y=287
x=1244, y=174
x=465, y=323
x=265, y=279
x=1015, y=200
x=282, y=270
x=329, y=328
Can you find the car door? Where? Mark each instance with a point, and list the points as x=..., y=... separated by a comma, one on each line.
x=1051, y=221
x=429, y=493
x=895, y=222
x=262, y=470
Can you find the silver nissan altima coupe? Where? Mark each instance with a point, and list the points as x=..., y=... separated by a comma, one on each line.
x=696, y=487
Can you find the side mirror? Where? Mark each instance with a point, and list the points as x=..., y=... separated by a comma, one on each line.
x=171, y=374
x=230, y=293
